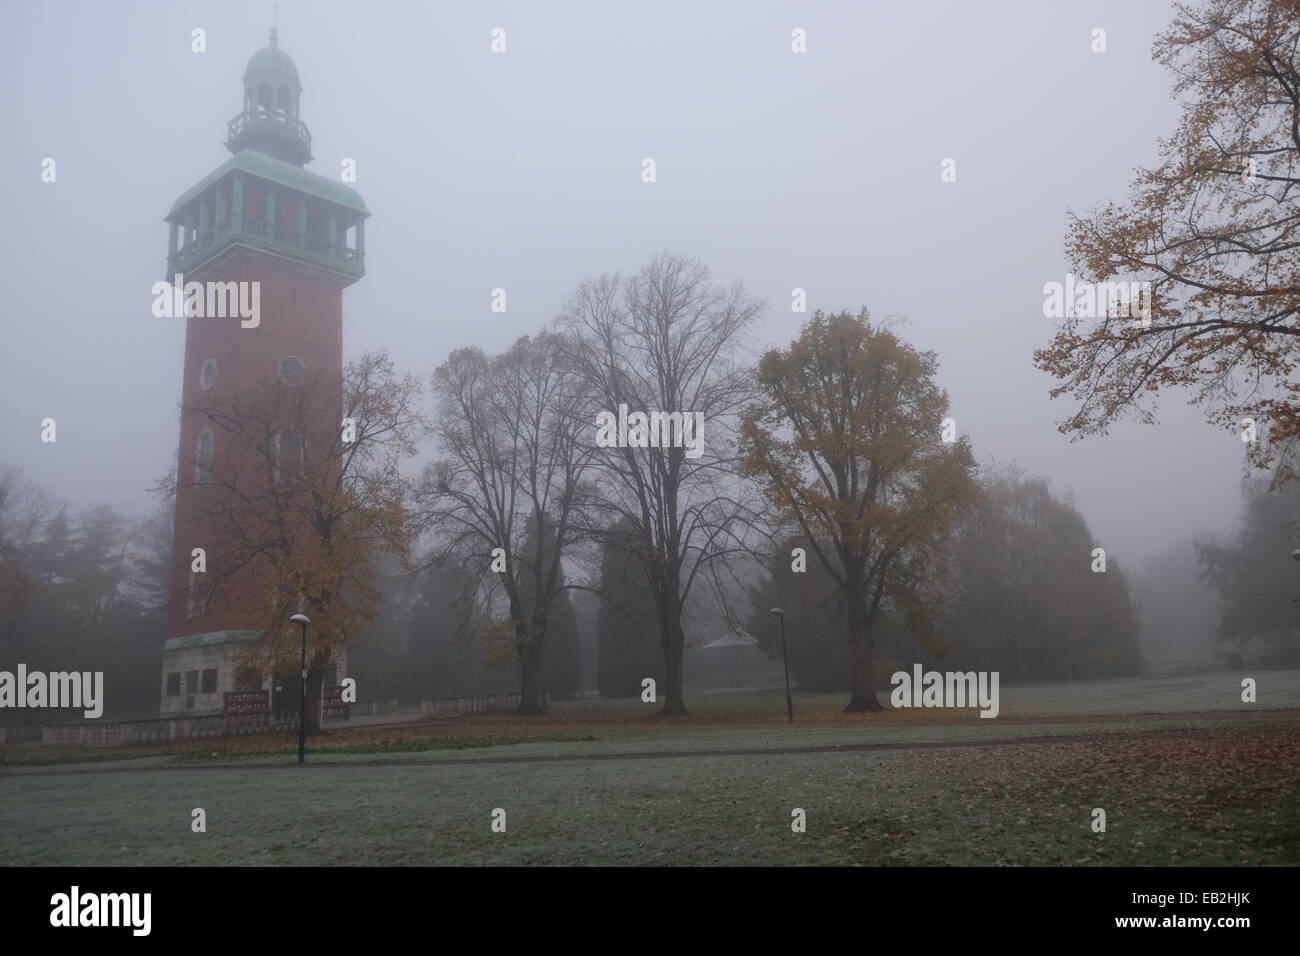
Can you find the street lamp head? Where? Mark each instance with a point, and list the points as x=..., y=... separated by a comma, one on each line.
x=1296, y=554
x=777, y=611
x=300, y=619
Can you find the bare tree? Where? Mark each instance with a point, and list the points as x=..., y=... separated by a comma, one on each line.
x=504, y=496
x=658, y=354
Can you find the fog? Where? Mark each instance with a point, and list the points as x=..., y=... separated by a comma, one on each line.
x=645, y=455
x=521, y=170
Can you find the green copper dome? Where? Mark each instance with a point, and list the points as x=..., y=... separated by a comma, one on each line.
x=269, y=122
x=271, y=59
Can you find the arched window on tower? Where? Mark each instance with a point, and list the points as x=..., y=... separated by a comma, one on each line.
x=282, y=100
x=264, y=97
x=203, y=459
x=292, y=370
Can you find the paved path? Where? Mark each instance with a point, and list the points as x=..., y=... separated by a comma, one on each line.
x=1279, y=717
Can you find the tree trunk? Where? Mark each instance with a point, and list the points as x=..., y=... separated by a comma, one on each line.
x=672, y=640
x=864, y=678
x=530, y=701
x=530, y=698
x=674, y=694
x=316, y=665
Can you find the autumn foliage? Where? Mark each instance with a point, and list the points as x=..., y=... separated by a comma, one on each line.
x=846, y=445
x=1213, y=228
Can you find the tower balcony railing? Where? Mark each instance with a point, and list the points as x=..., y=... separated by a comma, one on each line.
x=312, y=248
x=273, y=121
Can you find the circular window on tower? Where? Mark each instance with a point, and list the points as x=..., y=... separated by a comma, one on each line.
x=292, y=370
x=208, y=375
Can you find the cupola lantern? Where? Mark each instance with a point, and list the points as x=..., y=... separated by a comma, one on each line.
x=269, y=122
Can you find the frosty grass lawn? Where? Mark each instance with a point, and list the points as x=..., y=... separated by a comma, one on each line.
x=1191, y=789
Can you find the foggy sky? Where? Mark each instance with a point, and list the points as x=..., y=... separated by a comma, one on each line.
x=522, y=170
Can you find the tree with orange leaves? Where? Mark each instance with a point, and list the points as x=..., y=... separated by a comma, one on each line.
x=303, y=498
x=847, y=445
x=1214, y=230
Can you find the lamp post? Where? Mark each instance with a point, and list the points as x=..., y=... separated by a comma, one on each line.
x=302, y=621
x=785, y=660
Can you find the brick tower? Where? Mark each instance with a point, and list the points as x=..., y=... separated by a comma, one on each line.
x=259, y=218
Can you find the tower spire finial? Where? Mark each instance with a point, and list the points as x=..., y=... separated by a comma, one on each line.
x=275, y=13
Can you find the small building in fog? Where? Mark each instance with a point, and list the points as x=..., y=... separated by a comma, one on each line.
x=731, y=660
